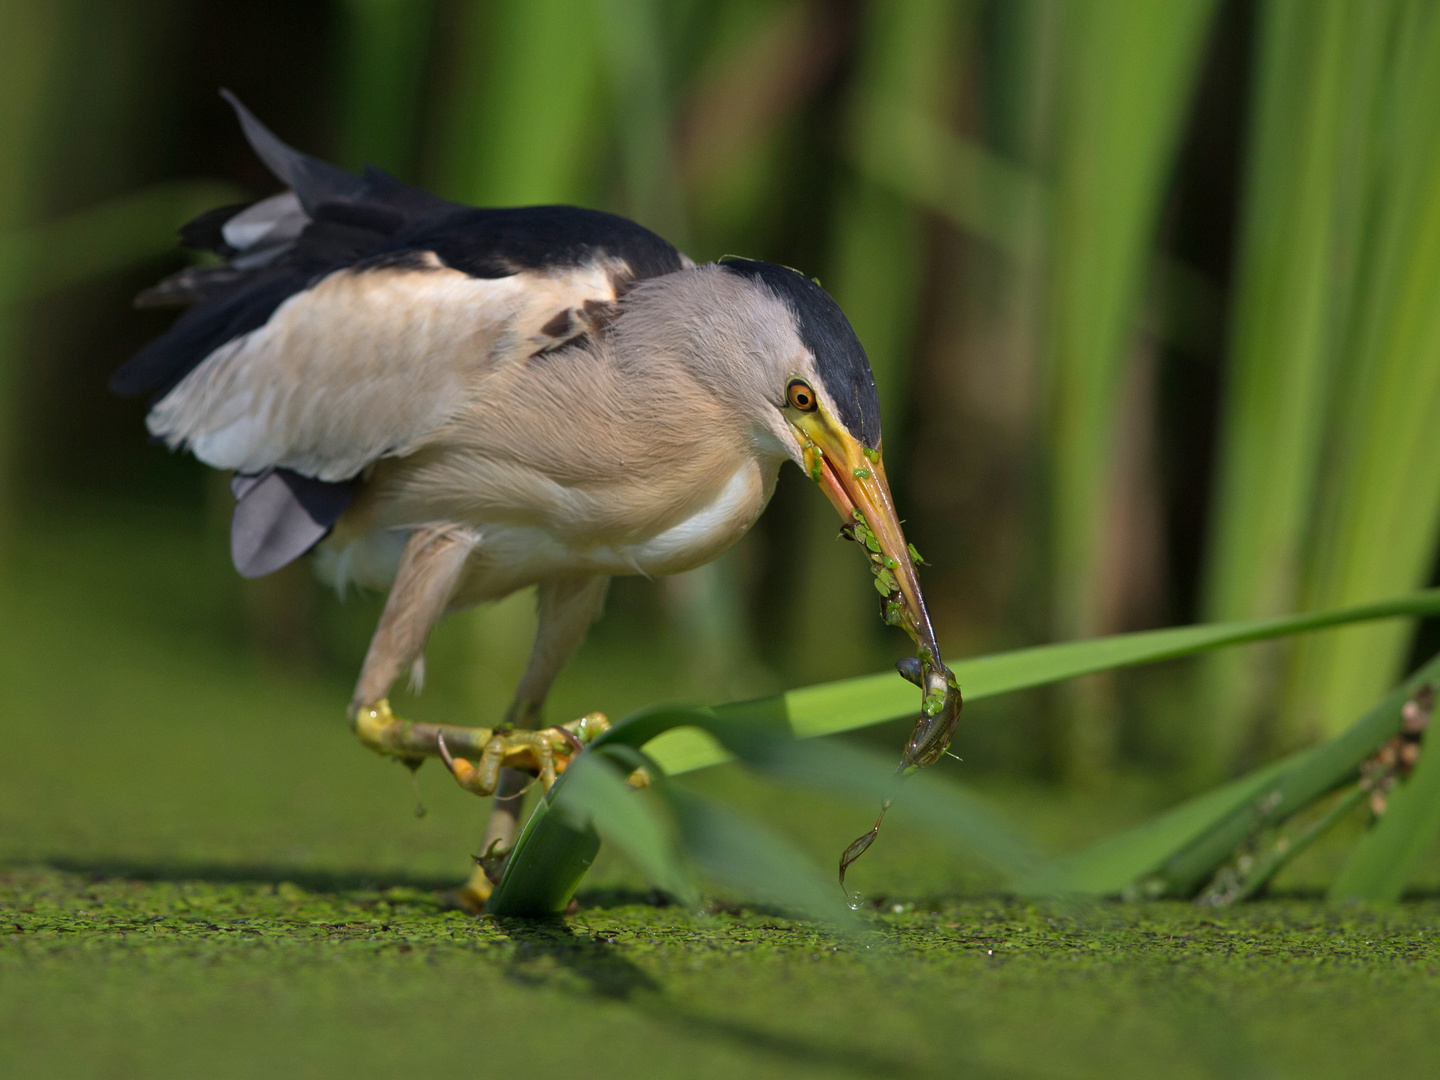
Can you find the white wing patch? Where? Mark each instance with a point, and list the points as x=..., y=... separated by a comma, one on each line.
x=364, y=364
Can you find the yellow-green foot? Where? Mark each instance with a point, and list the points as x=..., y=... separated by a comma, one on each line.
x=475, y=755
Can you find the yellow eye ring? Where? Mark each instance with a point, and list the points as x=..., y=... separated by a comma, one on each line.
x=800, y=395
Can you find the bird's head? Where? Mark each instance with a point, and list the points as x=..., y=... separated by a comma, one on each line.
x=774, y=345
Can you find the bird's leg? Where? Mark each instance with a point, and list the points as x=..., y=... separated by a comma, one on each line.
x=508, y=757
x=430, y=569
x=567, y=607
x=505, y=752
x=482, y=760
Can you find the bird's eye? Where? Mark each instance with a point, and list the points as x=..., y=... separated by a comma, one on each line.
x=800, y=395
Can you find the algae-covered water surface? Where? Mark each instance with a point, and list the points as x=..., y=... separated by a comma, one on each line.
x=202, y=876
x=112, y=976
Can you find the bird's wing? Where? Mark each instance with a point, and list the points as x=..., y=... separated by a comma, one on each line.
x=352, y=314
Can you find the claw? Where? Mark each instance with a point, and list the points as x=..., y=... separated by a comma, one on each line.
x=465, y=774
x=571, y=738
x=444, y=751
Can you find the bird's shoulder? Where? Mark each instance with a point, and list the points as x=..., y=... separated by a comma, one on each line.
x=497, y=242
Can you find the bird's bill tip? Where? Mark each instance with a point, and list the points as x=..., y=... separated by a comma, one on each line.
x=853, y=478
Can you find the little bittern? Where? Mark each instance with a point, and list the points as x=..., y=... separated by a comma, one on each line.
x=455, y=403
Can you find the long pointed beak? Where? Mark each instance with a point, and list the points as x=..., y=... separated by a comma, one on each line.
x=853, y=478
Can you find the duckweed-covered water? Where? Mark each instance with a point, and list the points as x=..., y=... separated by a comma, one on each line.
x=107, y=975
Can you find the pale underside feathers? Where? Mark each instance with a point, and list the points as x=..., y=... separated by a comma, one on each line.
x=365, y=364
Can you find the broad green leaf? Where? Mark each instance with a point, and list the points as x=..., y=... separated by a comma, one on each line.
x=873, y=699
x=959, y=819
x=550, y=858
x=1182, y=845
x=763, y=742
x=596, y=797
x=742, y=855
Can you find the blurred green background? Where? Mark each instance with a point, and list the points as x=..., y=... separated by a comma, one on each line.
x=1151, y=290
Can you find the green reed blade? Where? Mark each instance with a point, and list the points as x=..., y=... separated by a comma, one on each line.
x=53, y=255
x=1319, y=68
x=833, y=707
x=30, y=54
x=386, y=45
x=874, y=269
x=1126, y=68
x=1174, y=853
x=1318, y=771
x=635, y=64
x=518, y=127
x=1124, y=76
x=547, y=864
x=1379, y=511
x=1112, y=865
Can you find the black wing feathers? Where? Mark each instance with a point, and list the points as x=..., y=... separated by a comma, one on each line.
x=204, y=233
x=316, y=182
x=280, y=515
x=203, y=329
x=499, y=242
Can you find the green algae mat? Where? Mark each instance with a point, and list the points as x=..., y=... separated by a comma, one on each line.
x=108, y=976
x=202, y=876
